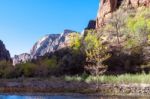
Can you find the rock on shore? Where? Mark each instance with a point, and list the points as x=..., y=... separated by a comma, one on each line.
x=57, y=85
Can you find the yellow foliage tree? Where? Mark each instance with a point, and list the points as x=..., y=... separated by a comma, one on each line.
x=96, y=54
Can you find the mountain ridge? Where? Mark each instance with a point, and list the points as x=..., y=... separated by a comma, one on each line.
x=4, y=53
x=47, y=44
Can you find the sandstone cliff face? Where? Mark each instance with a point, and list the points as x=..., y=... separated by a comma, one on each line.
x=47, y=44
x=4, y=53
x=105, y=10
x=137, y=3
x=22, y=58
x=51, y=43
x=107, y=7
x=41, y=47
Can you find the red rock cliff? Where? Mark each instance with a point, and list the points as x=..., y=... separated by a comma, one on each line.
x=107, y=7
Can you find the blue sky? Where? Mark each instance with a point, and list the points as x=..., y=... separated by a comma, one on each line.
x=23, y=22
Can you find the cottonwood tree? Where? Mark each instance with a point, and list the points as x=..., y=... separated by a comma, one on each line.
x=115, y=27
x=96, y=54
x=139, y=29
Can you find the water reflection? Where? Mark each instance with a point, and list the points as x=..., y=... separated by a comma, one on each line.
x=43, y=97
x=68, y=97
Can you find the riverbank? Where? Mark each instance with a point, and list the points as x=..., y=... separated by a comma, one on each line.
x=74, y=85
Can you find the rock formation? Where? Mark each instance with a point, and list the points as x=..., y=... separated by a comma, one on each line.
x=107, y=7
x=51, y=43
x=137, y=3
x=105, y=10
x=91, y=25
x=4, y=53
x=22, y=58
x=47, y=44
x=41, y=47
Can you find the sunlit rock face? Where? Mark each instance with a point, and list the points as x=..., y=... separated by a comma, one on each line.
x=51, y=43
x=107, y=7
x=137, y=3
x=41, y=46
x=47, y=44
x=22, y=58
x=4, y=53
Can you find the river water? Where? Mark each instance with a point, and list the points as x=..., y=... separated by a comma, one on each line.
x=67, y=97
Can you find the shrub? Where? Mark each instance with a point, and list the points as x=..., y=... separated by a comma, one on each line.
x=72, y=62
x=28, y=69
x=47, y=66
x=9, y=72
x=6, y=69
x=76, y=42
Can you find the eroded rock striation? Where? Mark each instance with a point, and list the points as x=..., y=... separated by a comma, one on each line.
x=22, y=58
x=47, y=44
x=4, y=53
x=107, y=7
x=43, y=45
x=51, y=43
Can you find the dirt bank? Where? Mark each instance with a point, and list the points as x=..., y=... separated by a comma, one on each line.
x=60, y=86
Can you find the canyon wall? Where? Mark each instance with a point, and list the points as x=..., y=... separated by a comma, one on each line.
x=107, y=7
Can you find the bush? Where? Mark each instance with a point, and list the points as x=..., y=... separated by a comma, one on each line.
x=9, y=72
x=47, y=66
x=6, y=69
x=28, y=69
x=72, y=62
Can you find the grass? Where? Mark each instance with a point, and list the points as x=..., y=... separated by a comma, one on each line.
x=120, y=79
x=112, y=79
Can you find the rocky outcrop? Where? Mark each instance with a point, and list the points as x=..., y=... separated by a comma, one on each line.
x=91, y=25
x=4, y=53
x=105, y=10
x=137, y=3
x=51, y=43
x=47, y=44
x=107, y=7
x=43, y=45
x=22, y=58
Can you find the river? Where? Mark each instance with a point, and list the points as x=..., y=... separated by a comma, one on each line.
x=67, y=97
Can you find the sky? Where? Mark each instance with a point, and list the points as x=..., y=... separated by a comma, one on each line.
x=23, y=22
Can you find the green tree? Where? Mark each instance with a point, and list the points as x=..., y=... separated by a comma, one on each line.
x=96, y=54
x=75, y=42
x=138, y=30
x=115, y=28
x=28, y=69
x=6, y=69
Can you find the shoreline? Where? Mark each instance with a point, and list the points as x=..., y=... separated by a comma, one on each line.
x=60, y=87
x=73, y=95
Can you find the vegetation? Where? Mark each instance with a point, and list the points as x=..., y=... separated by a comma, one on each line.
x=113, y=79
x=96, y=54
x=120, y=47
x=139, y=29
x=127, y=36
